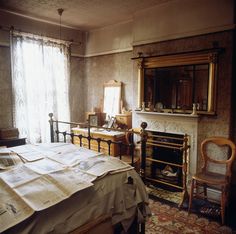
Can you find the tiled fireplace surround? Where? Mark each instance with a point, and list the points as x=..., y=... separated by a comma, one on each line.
x=173, y=123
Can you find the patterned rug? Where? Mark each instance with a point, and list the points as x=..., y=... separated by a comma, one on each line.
x=166, y=195
x=201, y=207
x=167, y=219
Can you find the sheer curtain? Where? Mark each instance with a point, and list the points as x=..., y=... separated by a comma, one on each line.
x=40, y=80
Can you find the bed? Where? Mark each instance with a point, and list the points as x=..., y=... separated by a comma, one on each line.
x=117, y=201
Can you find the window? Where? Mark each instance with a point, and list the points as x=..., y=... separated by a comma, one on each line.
x=40, y=80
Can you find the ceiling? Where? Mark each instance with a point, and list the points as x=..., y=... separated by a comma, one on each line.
x=80, y=14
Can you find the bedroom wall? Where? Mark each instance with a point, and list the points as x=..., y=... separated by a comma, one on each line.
x=111, y=39
x=182, y=18
x=171, y=20
x=100, y=69
x=108, y=57
x=77, y=91
x=5, y=88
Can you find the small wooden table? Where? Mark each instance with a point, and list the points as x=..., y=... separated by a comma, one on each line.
x=104, y=135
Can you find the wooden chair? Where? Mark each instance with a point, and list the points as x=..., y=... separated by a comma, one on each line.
x=216, y=152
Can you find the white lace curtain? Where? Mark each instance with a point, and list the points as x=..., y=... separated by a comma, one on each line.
x=40, y=80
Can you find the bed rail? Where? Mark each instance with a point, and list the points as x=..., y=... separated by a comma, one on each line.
x=69, y=136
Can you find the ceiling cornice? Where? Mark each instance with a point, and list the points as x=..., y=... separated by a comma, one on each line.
x=40, y=20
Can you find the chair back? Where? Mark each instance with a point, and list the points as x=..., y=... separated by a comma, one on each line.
x=220, y=152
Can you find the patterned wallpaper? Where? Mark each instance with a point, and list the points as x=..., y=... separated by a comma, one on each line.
x=5, y=88
x=100, y=69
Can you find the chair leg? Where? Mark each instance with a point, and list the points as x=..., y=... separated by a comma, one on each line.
x=223, y=204
x=191, y=195
x=205, y=191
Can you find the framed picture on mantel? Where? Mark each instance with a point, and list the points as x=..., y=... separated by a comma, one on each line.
x=111, y=122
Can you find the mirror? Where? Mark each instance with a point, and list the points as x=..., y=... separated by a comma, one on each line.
x=112, y=98
x=172, y=83
x=173, y=87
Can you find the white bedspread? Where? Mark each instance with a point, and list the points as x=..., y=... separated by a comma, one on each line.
x=110, y=195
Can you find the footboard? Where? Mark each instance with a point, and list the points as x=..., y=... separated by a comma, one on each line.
x=91, y=138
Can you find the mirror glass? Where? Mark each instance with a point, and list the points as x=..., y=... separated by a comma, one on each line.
x=177, y=87
x=112, y=98
x=173, y=83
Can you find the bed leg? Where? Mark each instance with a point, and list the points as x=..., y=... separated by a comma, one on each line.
x=141, y=228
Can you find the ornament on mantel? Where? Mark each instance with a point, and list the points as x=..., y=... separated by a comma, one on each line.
x=194, y=109
x=143, y=106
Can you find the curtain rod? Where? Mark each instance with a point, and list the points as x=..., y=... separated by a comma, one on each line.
x=9, y=29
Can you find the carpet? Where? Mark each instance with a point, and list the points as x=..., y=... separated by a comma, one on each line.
x=168, y=219
x=164, y=194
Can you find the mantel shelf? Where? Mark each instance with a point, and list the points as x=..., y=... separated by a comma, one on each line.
x=166, y=114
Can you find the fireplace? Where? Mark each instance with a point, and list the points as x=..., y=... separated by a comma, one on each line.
x=179, y=124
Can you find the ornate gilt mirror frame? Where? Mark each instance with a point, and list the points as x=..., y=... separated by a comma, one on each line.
x=209, y=57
